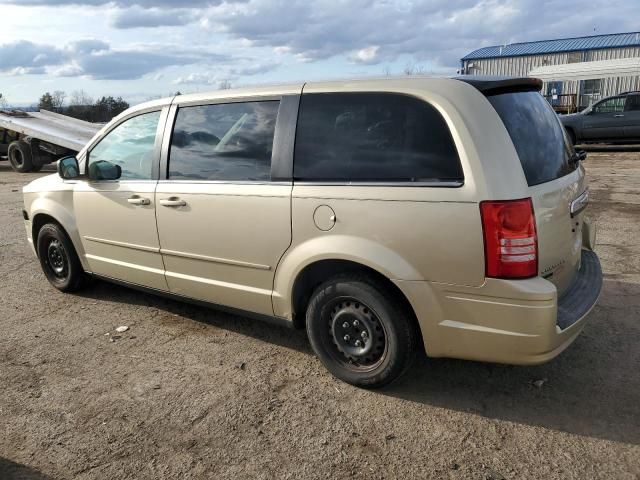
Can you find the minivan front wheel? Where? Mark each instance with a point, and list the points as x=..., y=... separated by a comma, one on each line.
x=58, y=259
x=361, y=333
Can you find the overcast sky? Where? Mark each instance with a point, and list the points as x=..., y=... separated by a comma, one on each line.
x=144, y=48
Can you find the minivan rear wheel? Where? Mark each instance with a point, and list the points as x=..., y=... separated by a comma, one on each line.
x=361, y=333
x=59, y=260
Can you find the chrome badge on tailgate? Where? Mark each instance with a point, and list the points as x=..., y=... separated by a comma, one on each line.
x=579, y=203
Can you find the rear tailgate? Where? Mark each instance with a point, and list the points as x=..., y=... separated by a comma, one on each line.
x=555, y=181
x=559, y=234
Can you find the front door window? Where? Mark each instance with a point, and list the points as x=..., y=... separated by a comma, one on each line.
x=131, y=145
x=612, y=105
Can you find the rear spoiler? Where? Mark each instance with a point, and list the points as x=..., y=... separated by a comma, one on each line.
x=490, y=85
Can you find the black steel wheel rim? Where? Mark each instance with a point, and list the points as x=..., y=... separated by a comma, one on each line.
x=356, y=337
x=57, y=259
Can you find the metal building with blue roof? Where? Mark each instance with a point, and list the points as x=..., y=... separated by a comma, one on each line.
x=576, y=71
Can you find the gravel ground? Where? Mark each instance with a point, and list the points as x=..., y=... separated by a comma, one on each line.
x=189, y=392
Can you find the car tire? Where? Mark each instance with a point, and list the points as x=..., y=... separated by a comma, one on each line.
x=19, y=154
x=59, y=260
x=338, y=313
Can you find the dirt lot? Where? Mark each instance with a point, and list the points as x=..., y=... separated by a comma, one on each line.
x=194, y=393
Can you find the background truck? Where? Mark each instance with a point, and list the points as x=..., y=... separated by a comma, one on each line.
x=30, y=140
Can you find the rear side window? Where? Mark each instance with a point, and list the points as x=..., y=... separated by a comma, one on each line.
x=540, y=140
x=363, y=137
x=226, y=142
x=633, y=103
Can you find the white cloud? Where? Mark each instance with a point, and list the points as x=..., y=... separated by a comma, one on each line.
x=97, y=60
x=366, y=55
x=438, y=31
x=18, y=71
x=88, y=46
x=224, y=73
x=203, y=78
x=254, y=68
x=138, y=17
x=68, y=70
x=142, y=45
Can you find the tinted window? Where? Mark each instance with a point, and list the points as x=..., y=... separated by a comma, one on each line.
x=372, y=137
x=130, y=145
x=231, y=141
x=537, y=134
x=611, y=105
x=633, y=102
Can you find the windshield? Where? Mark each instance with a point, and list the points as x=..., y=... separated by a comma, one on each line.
x=539, y=138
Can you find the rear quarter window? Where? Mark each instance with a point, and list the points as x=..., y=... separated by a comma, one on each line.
x=537, y=134
x=373, y=137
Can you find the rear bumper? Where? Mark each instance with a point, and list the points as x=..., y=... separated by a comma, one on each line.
x=505, y=321
x=583, y=292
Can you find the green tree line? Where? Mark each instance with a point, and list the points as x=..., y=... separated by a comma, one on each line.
x=82, y=106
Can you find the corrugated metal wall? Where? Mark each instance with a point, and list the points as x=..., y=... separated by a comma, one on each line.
x=515, y=66
x=521, y=66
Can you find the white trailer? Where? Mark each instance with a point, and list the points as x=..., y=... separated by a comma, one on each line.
x=31, y=140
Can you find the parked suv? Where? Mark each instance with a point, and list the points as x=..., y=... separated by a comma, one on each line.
x=613, y=120
x=378, y=214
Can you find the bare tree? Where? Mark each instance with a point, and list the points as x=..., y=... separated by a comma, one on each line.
x=3, y=101
x=413, y=69
x=79, y=98
x=57, y=100
x=386, y=71
x=81, y=105
x=224, y=85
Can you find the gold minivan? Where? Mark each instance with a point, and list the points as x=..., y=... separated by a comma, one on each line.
x=377, y=214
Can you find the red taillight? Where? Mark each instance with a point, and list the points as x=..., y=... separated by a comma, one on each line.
x=510, y=240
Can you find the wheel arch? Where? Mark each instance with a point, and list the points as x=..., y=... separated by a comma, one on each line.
x=45, y=211
x=315, y=273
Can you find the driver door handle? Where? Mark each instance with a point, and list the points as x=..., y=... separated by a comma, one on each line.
x=172, y=202
x=137, y=200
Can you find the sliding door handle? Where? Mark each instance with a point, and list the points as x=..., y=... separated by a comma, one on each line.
x=138, y=200
x=172, y=202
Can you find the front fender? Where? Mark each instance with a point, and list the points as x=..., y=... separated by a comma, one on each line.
x=58, y=205
x=336, y=247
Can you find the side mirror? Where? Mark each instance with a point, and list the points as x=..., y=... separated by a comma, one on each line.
x=68, y=168
x=104, y=170
x=582, y=155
